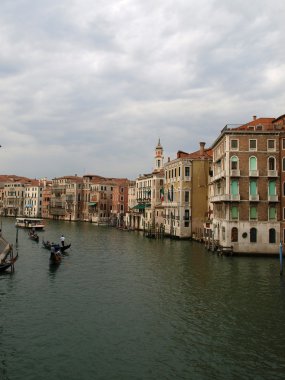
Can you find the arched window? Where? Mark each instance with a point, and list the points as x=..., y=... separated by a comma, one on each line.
x=234, y=163
x=253, y=235
x=271, y=163
x=252, y=163
x=272, y=235
x=234, y=234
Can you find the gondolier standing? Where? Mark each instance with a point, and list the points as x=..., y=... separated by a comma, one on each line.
x=62, y=239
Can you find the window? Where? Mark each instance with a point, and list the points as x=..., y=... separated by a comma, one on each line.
x=252, y=213
x=271, y=163
x=234, y=187
x=186, y=214
x=253, y=235
x=223, y=233
x=272, y=235
x=272, y=213
x=253, y=187
x=283, y=189
x=283, y=144
x=234, y=237
x=252, y=163
x=187, y=171
x=234, y=212
x=234, y=163
x=272, y=188
x=252, y=144
x=187, y=196
x=283, y=213
x=270, y=144
x=234, y=144
x=283, y=164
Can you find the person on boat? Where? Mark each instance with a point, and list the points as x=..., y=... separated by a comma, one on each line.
x=62, y=239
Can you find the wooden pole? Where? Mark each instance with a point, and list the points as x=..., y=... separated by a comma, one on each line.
x=281, y=258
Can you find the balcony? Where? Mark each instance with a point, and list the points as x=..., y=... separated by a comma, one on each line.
x=235, y=173
x=225, y=198
x=272, y=173
x=272, y=198
x=218, y=175
x=253, y=173
x=254, y=198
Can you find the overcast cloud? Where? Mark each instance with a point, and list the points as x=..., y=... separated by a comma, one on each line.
x=88, y=86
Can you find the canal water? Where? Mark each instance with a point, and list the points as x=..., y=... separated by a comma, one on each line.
x=121, y=306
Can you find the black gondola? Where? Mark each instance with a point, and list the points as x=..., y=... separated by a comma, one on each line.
x=48, y=245
x=7, y=259
x=34, y=236
x=55, y=257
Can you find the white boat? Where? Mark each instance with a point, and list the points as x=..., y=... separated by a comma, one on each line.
x=35, y=223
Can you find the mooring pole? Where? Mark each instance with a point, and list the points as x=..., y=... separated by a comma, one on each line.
x=17, y=232
x=281, y=258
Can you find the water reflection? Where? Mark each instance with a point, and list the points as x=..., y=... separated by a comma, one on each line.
x=123, y=305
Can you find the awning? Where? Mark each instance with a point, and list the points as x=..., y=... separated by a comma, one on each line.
x=92, y=203
x=141, y=206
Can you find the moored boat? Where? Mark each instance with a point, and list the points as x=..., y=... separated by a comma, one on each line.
x=7, y=258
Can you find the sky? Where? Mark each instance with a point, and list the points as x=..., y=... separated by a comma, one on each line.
x=89, y=86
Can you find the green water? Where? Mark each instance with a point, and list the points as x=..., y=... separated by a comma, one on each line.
x=121, y=306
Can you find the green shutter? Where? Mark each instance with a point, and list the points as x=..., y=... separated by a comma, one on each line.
x=253, y=213
x=252, y=163
x=234, y=211
x=253, y=187
x=272, y=213
x=234, y=187
x=272, y=188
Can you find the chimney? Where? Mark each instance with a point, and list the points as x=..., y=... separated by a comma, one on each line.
x=202, y=148
x=254, y=117
x=168, y=159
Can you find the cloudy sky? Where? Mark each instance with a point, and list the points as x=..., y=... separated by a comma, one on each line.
x=88, y=86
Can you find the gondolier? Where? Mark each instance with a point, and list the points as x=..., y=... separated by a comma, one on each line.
x=62, y=239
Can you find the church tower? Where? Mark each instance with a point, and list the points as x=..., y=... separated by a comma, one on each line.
x=158, y=157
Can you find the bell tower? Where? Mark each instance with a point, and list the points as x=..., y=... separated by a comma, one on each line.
x=158, y=157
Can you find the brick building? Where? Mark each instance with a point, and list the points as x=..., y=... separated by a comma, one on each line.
x=247, y=178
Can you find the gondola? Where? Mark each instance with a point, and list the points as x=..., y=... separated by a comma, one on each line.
x=34, y=236
x=8, y=264
x=7, y=259
x=48, y=245
x=55, y=257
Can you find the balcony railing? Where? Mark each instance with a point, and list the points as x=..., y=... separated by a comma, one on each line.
x=272, y=198
x=225, y=198
x=272, y=173
x=253, y=173
x=218, y=175
x=235, y=173
x=254, y=198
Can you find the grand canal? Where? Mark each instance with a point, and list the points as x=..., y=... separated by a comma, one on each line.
x=121, y=306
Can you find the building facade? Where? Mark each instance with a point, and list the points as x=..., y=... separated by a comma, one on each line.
x=247, y=183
